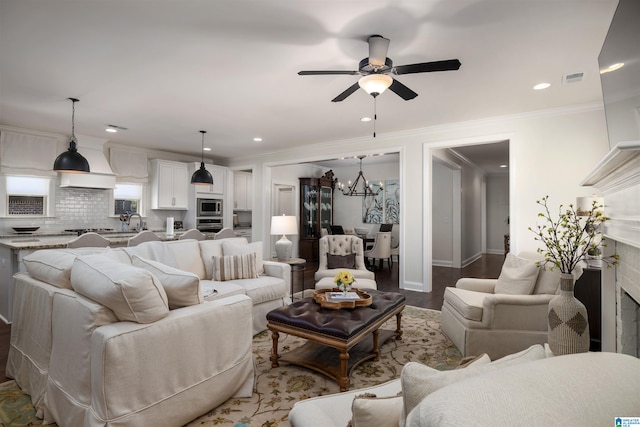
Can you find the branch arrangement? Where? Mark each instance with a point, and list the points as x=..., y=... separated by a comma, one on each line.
x=569, y=239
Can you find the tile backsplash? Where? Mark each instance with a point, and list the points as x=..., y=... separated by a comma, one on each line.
x=84, y=208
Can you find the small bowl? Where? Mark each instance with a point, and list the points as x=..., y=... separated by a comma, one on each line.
x=25, y=229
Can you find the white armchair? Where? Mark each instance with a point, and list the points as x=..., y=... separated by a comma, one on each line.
x=381, y=249
x=336, y=253
x=500, y=316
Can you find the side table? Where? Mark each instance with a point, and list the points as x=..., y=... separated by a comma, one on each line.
x=298, y=265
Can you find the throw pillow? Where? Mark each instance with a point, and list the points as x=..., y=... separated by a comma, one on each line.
x=233, y=247
x=483, y=359
x=341, y=261
x=418, y=380
x=230, y=267
x=54, y=267
x=182, y=287
x=132, y=293
x=368, y=410
x=518, y=276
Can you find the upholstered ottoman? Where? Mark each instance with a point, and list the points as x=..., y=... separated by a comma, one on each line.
x=327, y=283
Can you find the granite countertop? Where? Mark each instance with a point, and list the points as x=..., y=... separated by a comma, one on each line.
x=52, y=241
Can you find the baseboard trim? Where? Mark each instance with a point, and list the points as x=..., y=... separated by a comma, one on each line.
x=471, y=259
x=413, y=286
x=442, y=263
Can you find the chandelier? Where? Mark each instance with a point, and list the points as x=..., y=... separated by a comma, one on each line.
x=352, y=189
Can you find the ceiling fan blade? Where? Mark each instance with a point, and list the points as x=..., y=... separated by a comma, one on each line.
x=330, y=72
x=378, y=47
x=346, y=93
x=402, y=91
x=426, y=67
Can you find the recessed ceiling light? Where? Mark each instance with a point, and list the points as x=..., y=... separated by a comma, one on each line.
x=504, y=166
x=365, y=119
x=206, y=149
x=612, y=67
x=112, y=130
x=257, y=139
x=541, y=86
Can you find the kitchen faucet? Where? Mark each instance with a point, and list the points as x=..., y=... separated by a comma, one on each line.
x=139, y=221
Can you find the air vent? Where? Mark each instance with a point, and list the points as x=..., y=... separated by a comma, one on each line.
x=572, y=78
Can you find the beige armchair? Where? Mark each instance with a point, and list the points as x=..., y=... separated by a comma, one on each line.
x=501, y=316
x=337, y=252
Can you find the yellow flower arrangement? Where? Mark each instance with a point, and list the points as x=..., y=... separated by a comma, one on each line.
x=343, y=280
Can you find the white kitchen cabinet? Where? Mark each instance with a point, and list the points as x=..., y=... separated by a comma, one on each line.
x=169, y=185
x=242, y=191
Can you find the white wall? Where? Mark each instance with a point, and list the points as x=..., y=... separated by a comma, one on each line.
x=442, y=215
x=497, y=212
x=550, y=153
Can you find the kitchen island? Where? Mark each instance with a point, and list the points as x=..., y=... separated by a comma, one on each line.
x=14, y=247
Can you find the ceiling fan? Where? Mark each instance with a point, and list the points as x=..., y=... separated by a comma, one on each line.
x=376, y=70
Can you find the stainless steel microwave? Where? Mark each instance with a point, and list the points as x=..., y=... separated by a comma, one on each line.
x=209, y=207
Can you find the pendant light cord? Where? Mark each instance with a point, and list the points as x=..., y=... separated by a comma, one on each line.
x=202, y=150
x=375, y=115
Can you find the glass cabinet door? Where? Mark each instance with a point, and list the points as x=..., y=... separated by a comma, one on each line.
x=326, y=206
x=309, y=211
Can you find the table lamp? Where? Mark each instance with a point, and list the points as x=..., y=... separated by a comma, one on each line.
x=283, y=225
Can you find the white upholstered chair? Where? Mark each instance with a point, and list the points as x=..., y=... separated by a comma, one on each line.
x=193, y=234
x=88, y=240
x=141, y=237
x=381, y=249
x=224, y=234
x=336, y=252
x=501, y=316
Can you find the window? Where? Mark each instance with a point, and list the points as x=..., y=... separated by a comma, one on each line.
x=27, y=196
x=127, y=199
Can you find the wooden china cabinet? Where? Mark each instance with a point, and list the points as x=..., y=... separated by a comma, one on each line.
x=316, y=212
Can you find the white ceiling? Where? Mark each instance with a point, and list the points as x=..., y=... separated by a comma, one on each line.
x=167, y=69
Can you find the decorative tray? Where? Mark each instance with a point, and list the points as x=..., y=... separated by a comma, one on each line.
x=321, y=297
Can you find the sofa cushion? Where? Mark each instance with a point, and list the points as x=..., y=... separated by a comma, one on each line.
x=54, y=266
x=264, y=288
x=369, y=410
x=211, y=248
x=181, y=254
x=467, y=303
x=235, y=247
x=212, y=290
x=231, y=267
x=132, y=293
x=418, y=380
x=182, y=287
x=518, y=276
x=341, y=261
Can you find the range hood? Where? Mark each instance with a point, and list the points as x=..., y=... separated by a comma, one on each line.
x=101, y=175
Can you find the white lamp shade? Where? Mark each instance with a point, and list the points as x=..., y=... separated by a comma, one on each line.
x=375, y=83
x=284, y=224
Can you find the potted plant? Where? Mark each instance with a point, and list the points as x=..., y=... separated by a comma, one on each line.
x=567, y=242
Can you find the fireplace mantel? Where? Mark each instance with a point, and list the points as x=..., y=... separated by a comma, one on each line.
x=619, y=169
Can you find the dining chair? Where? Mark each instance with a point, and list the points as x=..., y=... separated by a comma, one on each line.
x=193, y=233
x=381, y=249
x=141, y=237
x=88, y=240
x=224, y=233
x=337, y=229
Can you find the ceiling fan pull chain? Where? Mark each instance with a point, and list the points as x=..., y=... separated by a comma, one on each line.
x=375, y=115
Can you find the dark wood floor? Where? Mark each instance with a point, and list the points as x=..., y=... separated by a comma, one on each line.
x=487, y=266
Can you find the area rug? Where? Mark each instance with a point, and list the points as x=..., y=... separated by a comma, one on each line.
x=277, y=389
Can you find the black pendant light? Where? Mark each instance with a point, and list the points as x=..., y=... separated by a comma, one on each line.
x=202, y=176
x=71, y=161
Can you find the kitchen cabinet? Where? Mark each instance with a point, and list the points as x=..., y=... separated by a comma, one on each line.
x=316, y=213
x=242, y=191
x=169, y=185
x=218, y=173
x=243, y=232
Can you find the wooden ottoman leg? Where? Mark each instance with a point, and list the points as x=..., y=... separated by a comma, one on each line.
x=376, y=350
x=343, y=379
x=399, y=326
x=274, y=351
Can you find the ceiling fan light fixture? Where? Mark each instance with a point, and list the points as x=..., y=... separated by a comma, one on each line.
x=202, y=176
x=71, y=161
x=375, y=84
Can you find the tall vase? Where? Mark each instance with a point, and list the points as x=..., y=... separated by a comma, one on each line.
x=568, y=321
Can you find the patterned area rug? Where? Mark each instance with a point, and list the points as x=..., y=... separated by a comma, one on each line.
x=277, y=389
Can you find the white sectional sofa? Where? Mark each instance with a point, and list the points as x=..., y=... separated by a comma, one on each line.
x=528, y=388
x=140, y=335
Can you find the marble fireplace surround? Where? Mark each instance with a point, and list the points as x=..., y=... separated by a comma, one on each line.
x=617, y=178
